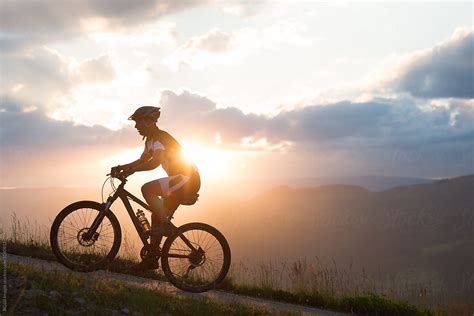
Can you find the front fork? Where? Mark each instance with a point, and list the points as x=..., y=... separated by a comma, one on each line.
x=91, y=233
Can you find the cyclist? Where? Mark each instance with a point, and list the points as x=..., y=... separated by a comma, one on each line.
x=166, y=194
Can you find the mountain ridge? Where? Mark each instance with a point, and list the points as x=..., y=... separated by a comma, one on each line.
x=399, y=231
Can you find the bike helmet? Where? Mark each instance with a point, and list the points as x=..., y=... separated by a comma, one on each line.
x=146, y=112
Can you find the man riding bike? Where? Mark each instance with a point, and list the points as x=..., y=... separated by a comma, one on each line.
x=166, y=194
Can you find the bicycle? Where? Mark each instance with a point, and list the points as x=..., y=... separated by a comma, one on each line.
x=86, y=236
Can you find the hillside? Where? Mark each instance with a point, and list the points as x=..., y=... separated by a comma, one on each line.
x=426, y=230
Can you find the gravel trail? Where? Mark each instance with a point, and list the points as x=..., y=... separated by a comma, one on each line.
x=169, y=288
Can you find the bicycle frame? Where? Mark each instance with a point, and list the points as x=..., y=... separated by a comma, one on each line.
x=124, y=195
x=182, y=250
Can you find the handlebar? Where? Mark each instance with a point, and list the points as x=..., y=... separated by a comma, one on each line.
x=117, y=176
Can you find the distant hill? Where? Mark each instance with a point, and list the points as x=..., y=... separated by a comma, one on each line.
x=371, y=183
x=403, y=230
x=252, y=187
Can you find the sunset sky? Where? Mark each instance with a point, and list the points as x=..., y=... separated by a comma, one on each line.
x=251, y=89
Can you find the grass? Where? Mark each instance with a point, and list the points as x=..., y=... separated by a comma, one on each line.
x=305, y=275
x=103, y=296
x=368, y=304
x=301, y=282
x=316, y=284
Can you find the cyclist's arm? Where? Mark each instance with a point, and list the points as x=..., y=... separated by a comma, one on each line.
x=150, y=158
x=150, y=162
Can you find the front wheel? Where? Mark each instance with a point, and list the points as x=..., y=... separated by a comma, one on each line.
x=196, y=257
x=70, y=245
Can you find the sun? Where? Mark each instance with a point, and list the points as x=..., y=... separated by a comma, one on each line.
x=212, y=162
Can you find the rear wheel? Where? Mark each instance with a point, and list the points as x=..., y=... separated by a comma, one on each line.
x=196, y=258
x=69, y=242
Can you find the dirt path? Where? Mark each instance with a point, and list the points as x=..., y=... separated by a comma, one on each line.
x=167, y=287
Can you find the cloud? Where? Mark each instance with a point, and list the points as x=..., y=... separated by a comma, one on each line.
x=214, y=42
x=216, y=47
x=198, y=115
x=44, y=76
x=186, y=103
x=40, y=151
x=154, y=33
x=201, y=51
x=378, y=122
x=243, y=8
x=383, y=136
x=96, y=70
x=444, y=71
x=380, y=136
x=28, y=23
x=29, y=131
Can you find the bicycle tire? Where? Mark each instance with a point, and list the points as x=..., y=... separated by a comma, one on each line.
x=62, y=255
x=192, y=285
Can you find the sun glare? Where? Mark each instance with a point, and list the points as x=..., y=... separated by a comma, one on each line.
x=211, y=162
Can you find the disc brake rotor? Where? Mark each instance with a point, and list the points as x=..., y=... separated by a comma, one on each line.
x=197, y=257
x=85, y=242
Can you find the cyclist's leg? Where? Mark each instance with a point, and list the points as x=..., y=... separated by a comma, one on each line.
x=153, y=193
x=187, y=188
x=160, y=193
x=171, y=199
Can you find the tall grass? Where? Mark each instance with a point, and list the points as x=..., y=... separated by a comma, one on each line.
x=311, y=277
x=304, y=277
x=23, y=231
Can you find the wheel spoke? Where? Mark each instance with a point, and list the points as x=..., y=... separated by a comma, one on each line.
x=209, y=266
x=74, y=248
